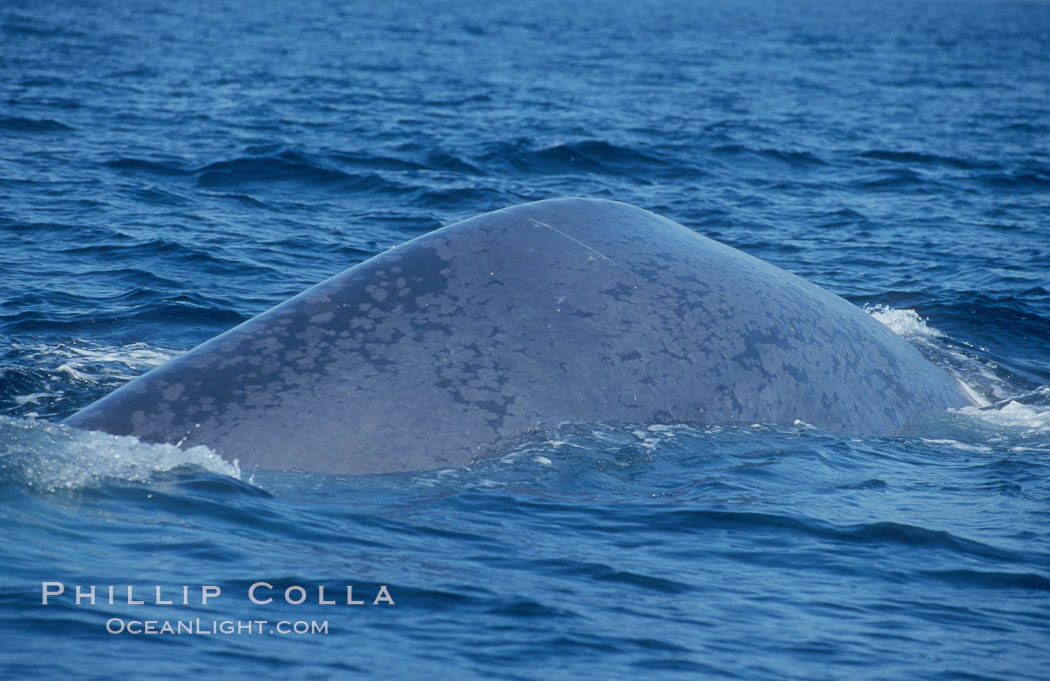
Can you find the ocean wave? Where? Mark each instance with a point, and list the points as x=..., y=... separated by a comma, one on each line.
x=184, y=309
x=133, y=249
x=1020, y=180
x=898, y=179
x=267, y=168
x=446, y=162
x=795, y=158
x=48, y=310
x=989, y=579
x=140, y=278
x=583, y=157
x=914, y=158
x=293, y=168
x=375, y=161
x=452, y=198
x=19, y=124
x=50, y=380
x=63, y=229
x=164, y=168
x=244, y=200
x=158, y=197
x=122, y=249
x=19, y=24
x=844, y=217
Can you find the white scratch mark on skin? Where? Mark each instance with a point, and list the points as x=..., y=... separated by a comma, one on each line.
x=573, y=239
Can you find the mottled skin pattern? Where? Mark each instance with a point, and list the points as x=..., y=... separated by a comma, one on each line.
x=465, y=340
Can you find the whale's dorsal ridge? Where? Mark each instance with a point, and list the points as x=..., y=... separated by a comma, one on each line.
x=462, y=340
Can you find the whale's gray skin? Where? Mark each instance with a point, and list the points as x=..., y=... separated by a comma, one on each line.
x=464, y=340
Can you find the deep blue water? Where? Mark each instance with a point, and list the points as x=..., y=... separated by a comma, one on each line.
x=168, y=170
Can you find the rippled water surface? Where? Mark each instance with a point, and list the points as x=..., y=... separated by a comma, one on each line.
x=168, y=170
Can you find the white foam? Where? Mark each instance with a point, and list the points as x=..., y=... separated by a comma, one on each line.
x=63, y=371
x=72, y=372
x=52, y=456
x=903, y=322
x=90, y=362
x=647, y=441
x=1026, y=418
x=33, y=398
x=955, y=444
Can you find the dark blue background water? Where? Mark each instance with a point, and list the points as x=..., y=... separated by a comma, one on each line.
x=168, y=170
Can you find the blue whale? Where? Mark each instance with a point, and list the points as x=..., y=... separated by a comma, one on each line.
x=464, y=341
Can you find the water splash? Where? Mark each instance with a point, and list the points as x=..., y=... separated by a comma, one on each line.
x=1027, y=414
x=996, y=399
x=51, y=457
x=905, y=323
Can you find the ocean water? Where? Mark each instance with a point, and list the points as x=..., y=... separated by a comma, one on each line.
x=168, y=170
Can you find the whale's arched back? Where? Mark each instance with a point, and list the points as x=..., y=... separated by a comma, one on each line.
x=462, y=341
